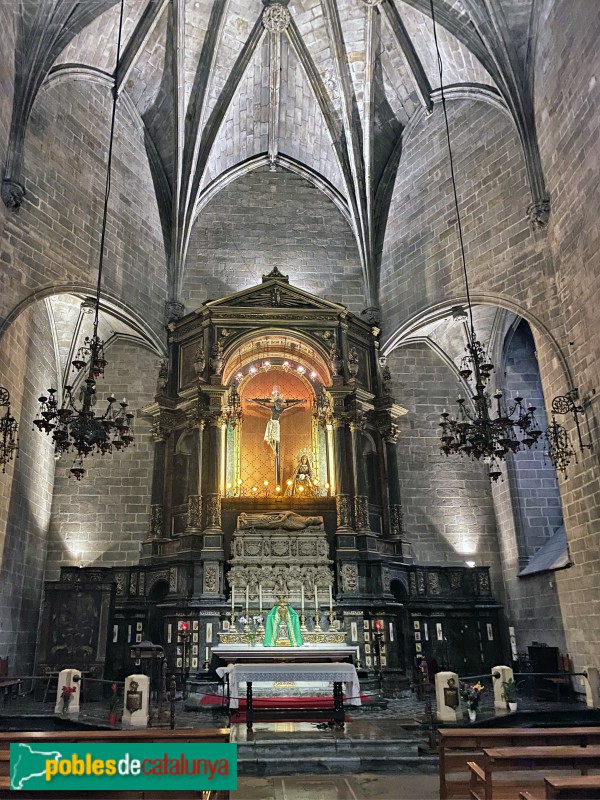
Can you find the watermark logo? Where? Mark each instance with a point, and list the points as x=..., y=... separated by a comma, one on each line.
x=118, y=767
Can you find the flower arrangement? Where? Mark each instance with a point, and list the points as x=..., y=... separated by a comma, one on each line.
x=65, y=696
x=252, y=626
x=114, y=699
x=471, y=694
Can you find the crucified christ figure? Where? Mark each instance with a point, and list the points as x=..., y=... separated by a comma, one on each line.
x=277, y=405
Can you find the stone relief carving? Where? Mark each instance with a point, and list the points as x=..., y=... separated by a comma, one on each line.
x=349, y=577
x=286, y=520
x=344, y=510
x=433, y=582
x=353, y=363
x=361, y=512
x=199, y=363
x=539, y=213
x=386, y=375
x=155, y=530
x=163, y=376
x=194, y=511
x=396, y=520
x=216, y=361
x=335, y=361
x=13, y=194
x=173, y=579
x=213, y=511
x=386, y=580
x=120, y=580
x=211, y=578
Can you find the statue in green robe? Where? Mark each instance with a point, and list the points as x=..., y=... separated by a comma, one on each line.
x=282, y=628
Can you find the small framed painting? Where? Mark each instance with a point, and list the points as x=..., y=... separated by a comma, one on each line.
x=417, y=625
x=194, y=663
x=180, y=662
x=368, y=661
x=366, y=624
x=209, y=632
x=367, y=636
x=353, y=631
x=115, y=633
x=138, y=638
x=418, y=647
x=367, y=648
x=226, y=625
x=194, y=637
x=195, y=625
x=194, y=649
x=417, y=636
x=139, y=626
x=439, y=631
x=490, y=632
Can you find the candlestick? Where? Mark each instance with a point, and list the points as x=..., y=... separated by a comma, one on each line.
x=302, y=596
x=260, y=599
x=330, y=600
x=232, y=601
x=247, y=598
x=206, y=654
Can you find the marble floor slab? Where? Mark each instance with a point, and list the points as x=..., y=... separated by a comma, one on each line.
x=339, y=787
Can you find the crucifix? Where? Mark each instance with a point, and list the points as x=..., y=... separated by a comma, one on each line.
x=277, y=405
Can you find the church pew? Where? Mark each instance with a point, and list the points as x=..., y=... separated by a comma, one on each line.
x=458, y=746
x=572, y=787
x=151, y=735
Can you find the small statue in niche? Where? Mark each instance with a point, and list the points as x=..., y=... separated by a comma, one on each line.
x=216, y=361
x=353, y=363
x=386, y=375
x=199, y=363
x=163, y=376
x=303, y=482
x=335, y=362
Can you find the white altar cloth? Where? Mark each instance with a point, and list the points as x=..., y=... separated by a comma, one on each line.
x=232, y=653
x=331, y=673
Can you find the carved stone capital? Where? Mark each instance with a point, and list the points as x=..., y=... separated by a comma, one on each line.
x=372, y=314
x=539, y=213
x=13, y=194
x=155, y=528
x=174, y=310
x=276, y=17
x=343, y=504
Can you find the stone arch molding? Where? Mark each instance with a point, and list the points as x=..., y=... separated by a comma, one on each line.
x=411, y=330
x=111, y=305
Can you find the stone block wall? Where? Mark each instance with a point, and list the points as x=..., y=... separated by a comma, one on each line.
x=7, y=83
x=272, y=219
x=447, y=502
x=102, y=519
x=421, y=259
x=567, y=102
x=27, y=367
x=54, y=239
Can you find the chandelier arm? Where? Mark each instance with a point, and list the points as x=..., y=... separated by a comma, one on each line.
x=453, y=178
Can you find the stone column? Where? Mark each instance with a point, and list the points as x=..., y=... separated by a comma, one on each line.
x=343, y=476
x=212, y=493
x=194, y=524
x=361, y=491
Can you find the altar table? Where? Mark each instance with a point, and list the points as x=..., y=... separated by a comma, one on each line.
x=336, y=673
x=233, y=653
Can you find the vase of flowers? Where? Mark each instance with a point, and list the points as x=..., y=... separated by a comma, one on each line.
x=511, y=693
x=65, y=696
x=251, y=627
x=113, y=709
x=471, y=694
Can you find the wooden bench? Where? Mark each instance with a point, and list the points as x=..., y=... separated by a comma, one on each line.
x=511, y=759
x=573, y=787
x=458, y=746
x=187, y=736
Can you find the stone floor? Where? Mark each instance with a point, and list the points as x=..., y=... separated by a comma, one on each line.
x=339, y=787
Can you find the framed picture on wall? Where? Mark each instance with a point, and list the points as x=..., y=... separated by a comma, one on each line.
x=195, y=625
x=367, y=648
x=367, y=636
x=366, y=624
x=418, y=647
x=490, y=632
x=180, y=662
x=417, y=636
x=354, y=631
x=368, y=661
x=194, y=637
x=115, y=633
x=139, y=626
x=416, y=625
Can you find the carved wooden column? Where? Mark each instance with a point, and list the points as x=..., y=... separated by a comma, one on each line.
x=194, y=524
x=343, y=475
x=156, y=523
x=395, y=501
x=212, y=462
x=361, y=491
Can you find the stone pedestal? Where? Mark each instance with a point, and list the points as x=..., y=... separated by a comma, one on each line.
x=592, y=687
x=446, y=691
x=504, y=674
x=137, y=694
x=71, y=679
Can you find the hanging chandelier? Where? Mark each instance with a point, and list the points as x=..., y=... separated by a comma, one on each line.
x=72, y=422
x=9, y=443
x=486, y=426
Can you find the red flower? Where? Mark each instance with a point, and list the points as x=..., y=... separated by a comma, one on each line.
x=67, y=690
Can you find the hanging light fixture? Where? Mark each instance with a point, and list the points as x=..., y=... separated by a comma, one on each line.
x=73, y=423
x=9, y=442
x=233, y=406
x=487, y=427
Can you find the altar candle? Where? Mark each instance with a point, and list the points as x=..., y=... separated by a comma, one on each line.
x=302, y=596
x=247, y=598
x=206, y=654
x=232, y=600
x=330, y=600
x=260, y=598
x=316, y=600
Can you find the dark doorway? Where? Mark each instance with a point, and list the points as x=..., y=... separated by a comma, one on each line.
x=158, y=593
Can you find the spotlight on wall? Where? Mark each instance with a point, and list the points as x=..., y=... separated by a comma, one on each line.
x=470, y=564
